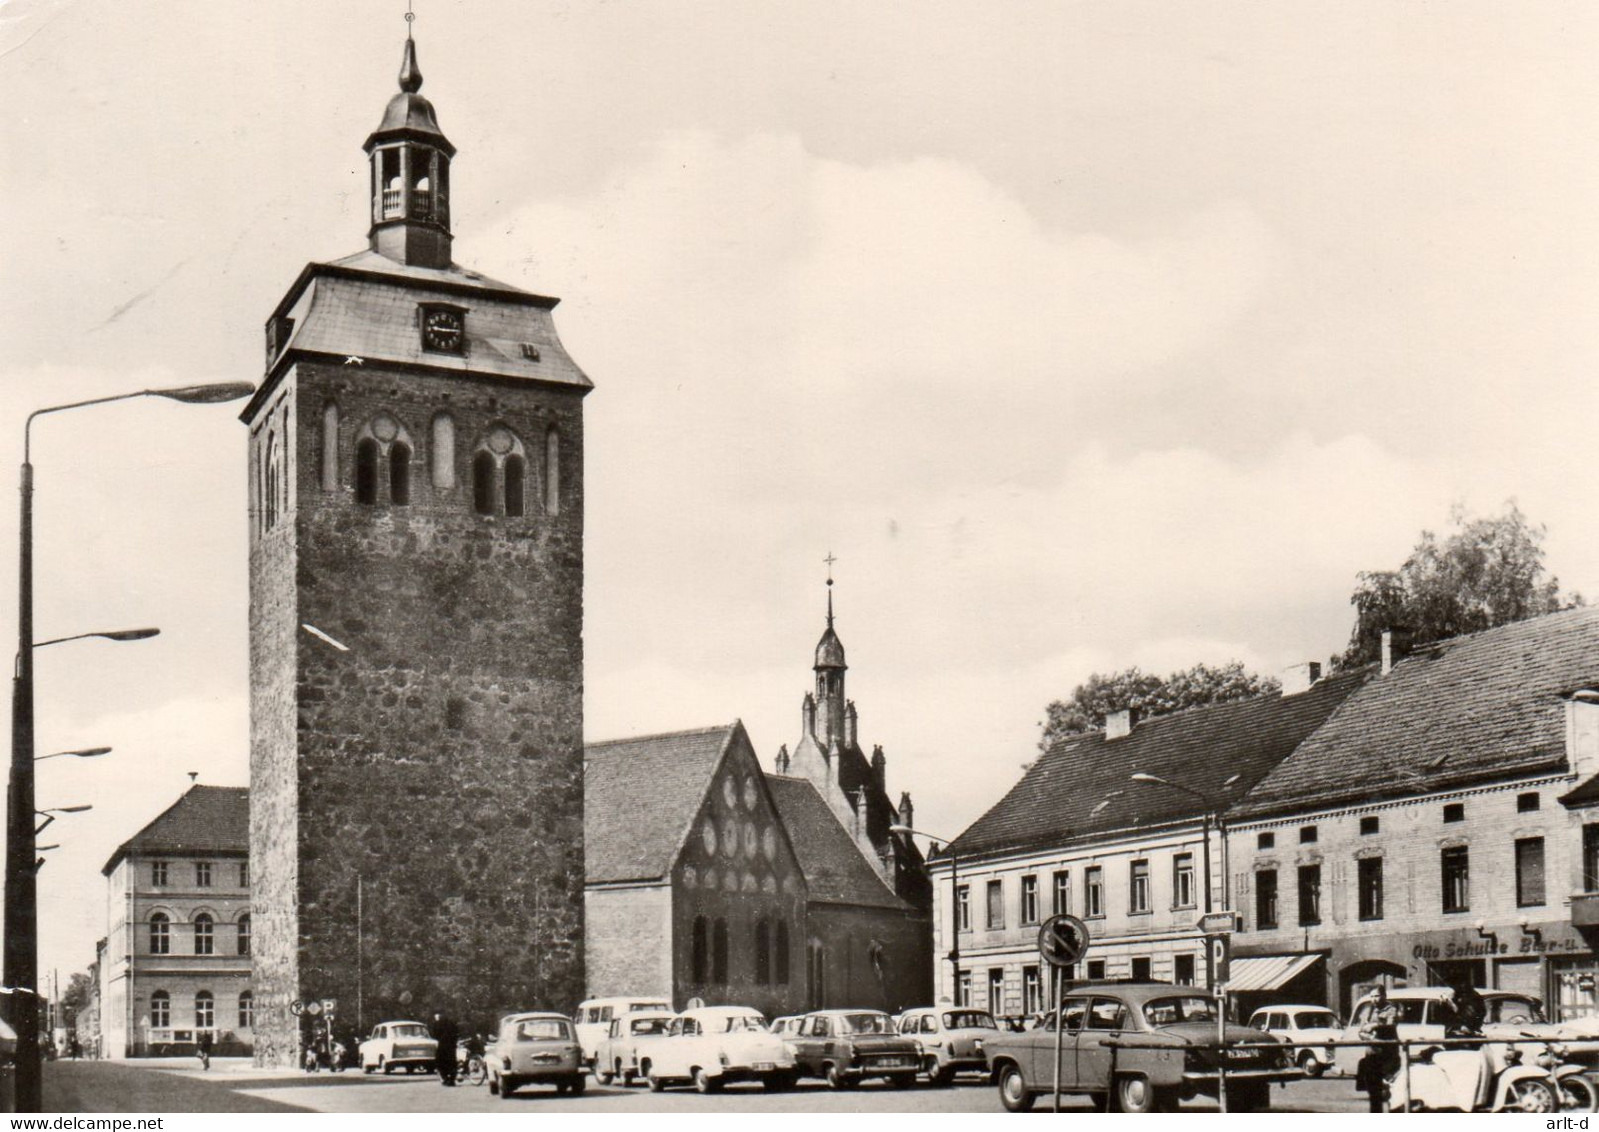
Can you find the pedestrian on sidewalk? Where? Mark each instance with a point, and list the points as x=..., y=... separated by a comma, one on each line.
x=444, y=1057
x=202, y=1049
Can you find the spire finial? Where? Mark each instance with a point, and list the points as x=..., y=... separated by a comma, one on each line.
x=410, y=73
x=830, y=560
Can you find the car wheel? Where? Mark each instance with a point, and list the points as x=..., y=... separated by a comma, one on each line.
x=656, y=1084
x=1013, y=1092
x=902, y=1080
x=365, y=1068
x=1577, y=1094
x=507, y=1087
x=1135, y=1094
x=384, y=1067
x=943, y=1076
x=705, y=1083
x=603, y=1078
x=1311, y=1064
x=494, y=1086
x=626, y=1078
x=578, y=1085
x=561, y=1088
x=836, y=1078
x=1531, y=1095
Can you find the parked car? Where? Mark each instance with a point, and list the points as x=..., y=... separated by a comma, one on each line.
x=1307, y=1028
x=617, y=1057
x=593, y=1017
x=404, y=1044
x=1423, y=1016
x=1137, y=1079
x=535, y=1047
x=846, y=1047
x=714, y=1045
x=951, y=1039
x=8, y=1044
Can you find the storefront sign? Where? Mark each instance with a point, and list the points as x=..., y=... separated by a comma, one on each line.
x=1484, y=948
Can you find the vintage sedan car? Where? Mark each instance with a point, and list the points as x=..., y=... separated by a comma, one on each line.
x=593, y=1017
x=406, y=1045
x=952, y=1039
x=1424, y=1012
x=1307, y=1028
x=535, y=1047
x=846, y=1047
x=712, y=1046
x=618, y=1055
x=1163, y=1048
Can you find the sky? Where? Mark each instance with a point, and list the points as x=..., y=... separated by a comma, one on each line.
x=1083, y=335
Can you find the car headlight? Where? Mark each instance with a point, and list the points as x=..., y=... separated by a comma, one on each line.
x=1513, y=1056
x=977, y=1044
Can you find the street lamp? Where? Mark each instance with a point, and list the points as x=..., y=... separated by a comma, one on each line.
x=21, y=888
x=50, y=816
x=1212, y=813
x=954, y=905
x=86, y=753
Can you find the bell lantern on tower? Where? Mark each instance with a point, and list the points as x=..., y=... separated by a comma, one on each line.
x=411, y=176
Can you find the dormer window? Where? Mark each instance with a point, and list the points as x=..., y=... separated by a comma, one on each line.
x=443, y=328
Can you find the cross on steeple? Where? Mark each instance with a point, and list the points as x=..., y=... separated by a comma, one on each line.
x=830, y=560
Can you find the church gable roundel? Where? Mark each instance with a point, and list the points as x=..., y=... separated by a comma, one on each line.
x=708, y=837
x=751, y=843
x=730, y=838
x=729, y=792
x=749, y=793
x=769, y=842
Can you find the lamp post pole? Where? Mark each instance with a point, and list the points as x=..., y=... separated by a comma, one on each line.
x=954, y=908
x=21, y=954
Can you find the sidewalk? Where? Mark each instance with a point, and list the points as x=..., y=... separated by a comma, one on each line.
x=147, y=1087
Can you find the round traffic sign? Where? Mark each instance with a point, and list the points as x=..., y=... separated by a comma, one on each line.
x=1062, y=940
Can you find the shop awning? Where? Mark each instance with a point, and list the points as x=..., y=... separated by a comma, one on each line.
x=1267, y=972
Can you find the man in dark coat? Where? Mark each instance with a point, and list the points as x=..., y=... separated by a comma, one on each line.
x=445, y=1033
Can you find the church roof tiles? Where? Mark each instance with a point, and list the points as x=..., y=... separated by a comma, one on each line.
x=835, y=871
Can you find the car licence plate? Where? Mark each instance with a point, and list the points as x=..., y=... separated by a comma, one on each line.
x=761, y=1066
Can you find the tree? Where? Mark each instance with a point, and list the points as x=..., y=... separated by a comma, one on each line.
x=75, y=999
x=1489, y=571
x=1105, y=692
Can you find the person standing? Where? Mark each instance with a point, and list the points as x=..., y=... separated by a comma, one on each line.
x=444, y=1058
x=202, y=1049
x=1382, y=1061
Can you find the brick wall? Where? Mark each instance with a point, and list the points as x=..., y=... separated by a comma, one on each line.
x=628, y=943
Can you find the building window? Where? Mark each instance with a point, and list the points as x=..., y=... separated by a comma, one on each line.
x=160, y=934
x=244, y=874
x=1182, y=880
x=443, y=452
x=1456, y=867
x=701, y=951
x=269, y=484
x=158, y=872
x=1527, y=803
x=763, y=953
x=1096, y=970
x=1307, y=835
x=996, y=904
x=202, y=874
x=996, y=991
x=963, y=989
x=552, y=472
x=1032, y=991
x=1369, y=825
x=1094, y=892
x=1590, y=858
x=383, y=441
x=499, y=474
x=330, y=447
x=515, y=486
x=1529, y=872
x=1266, y=899
x=1141, y=968
x=1183, y=970
x=1265, y=840
x=204, y=934
x=1455, y=811
x=1138, y=887
x=1029, y=900
x=399, y=474
x=1309, y=895
x=246, y=1010
x=719, y=951
x=1369, y=883
x=160, y=1010
x=1063, y=894
x=366, y=471
x=244, y=934
x=205, y=1011
x=782, y=953
x=963, y=908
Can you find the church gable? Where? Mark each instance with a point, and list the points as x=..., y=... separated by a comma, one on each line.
x=737, y=844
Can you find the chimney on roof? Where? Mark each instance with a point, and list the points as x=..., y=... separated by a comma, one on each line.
x=1582, y=732
x=1395, y=646
x=850, y=726
x=781, y=762
x=1119, y=724
x=1299, y=677
x=879, y=768
x=907, y=812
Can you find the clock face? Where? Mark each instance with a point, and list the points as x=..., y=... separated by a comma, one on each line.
x=442, y=331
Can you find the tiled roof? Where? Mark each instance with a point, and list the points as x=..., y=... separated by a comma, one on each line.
x=1058, y=801
x=206, y=819
x=1474, y=708
x=835, y=871
x=640, y=796
x=1586, y=794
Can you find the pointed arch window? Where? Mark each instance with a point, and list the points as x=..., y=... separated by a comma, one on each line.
x=160, y=1010
x=700, y=950
x=383, y=445
x=330, y=447
x=763, y=953
x=160, y=933
x=552, y=472
x=499, y=474
x=270, y=487
x=719, y=951
x=780, y=954
x=205, y=939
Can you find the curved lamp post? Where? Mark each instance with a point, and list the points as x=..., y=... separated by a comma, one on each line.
x=86, y=753
x=954, y=905
x=21, y=888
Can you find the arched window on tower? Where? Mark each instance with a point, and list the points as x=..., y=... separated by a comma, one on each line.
x=271, y=484
x=698, y=964
x=552, y=472
x=330, y=447
x=763, y=953
x=444, y=452
x=383, y=441
x=499, y=474
x=719, y=951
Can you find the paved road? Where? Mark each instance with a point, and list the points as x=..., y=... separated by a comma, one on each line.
x=179, y=1086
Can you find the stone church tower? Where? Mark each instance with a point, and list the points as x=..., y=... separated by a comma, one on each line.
x=416, y=618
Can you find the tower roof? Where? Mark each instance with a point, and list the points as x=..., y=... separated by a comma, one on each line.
x=830, y=650
x=408, y=115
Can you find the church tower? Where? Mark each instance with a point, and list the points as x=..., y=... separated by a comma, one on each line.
x=416, y=620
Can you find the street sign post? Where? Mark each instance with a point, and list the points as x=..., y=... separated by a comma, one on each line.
x=1218, y=923
x=1062, y=941
x=296, y=1008
x=1218, y=953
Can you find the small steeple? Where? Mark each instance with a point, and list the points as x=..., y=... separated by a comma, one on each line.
x=410, y=73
